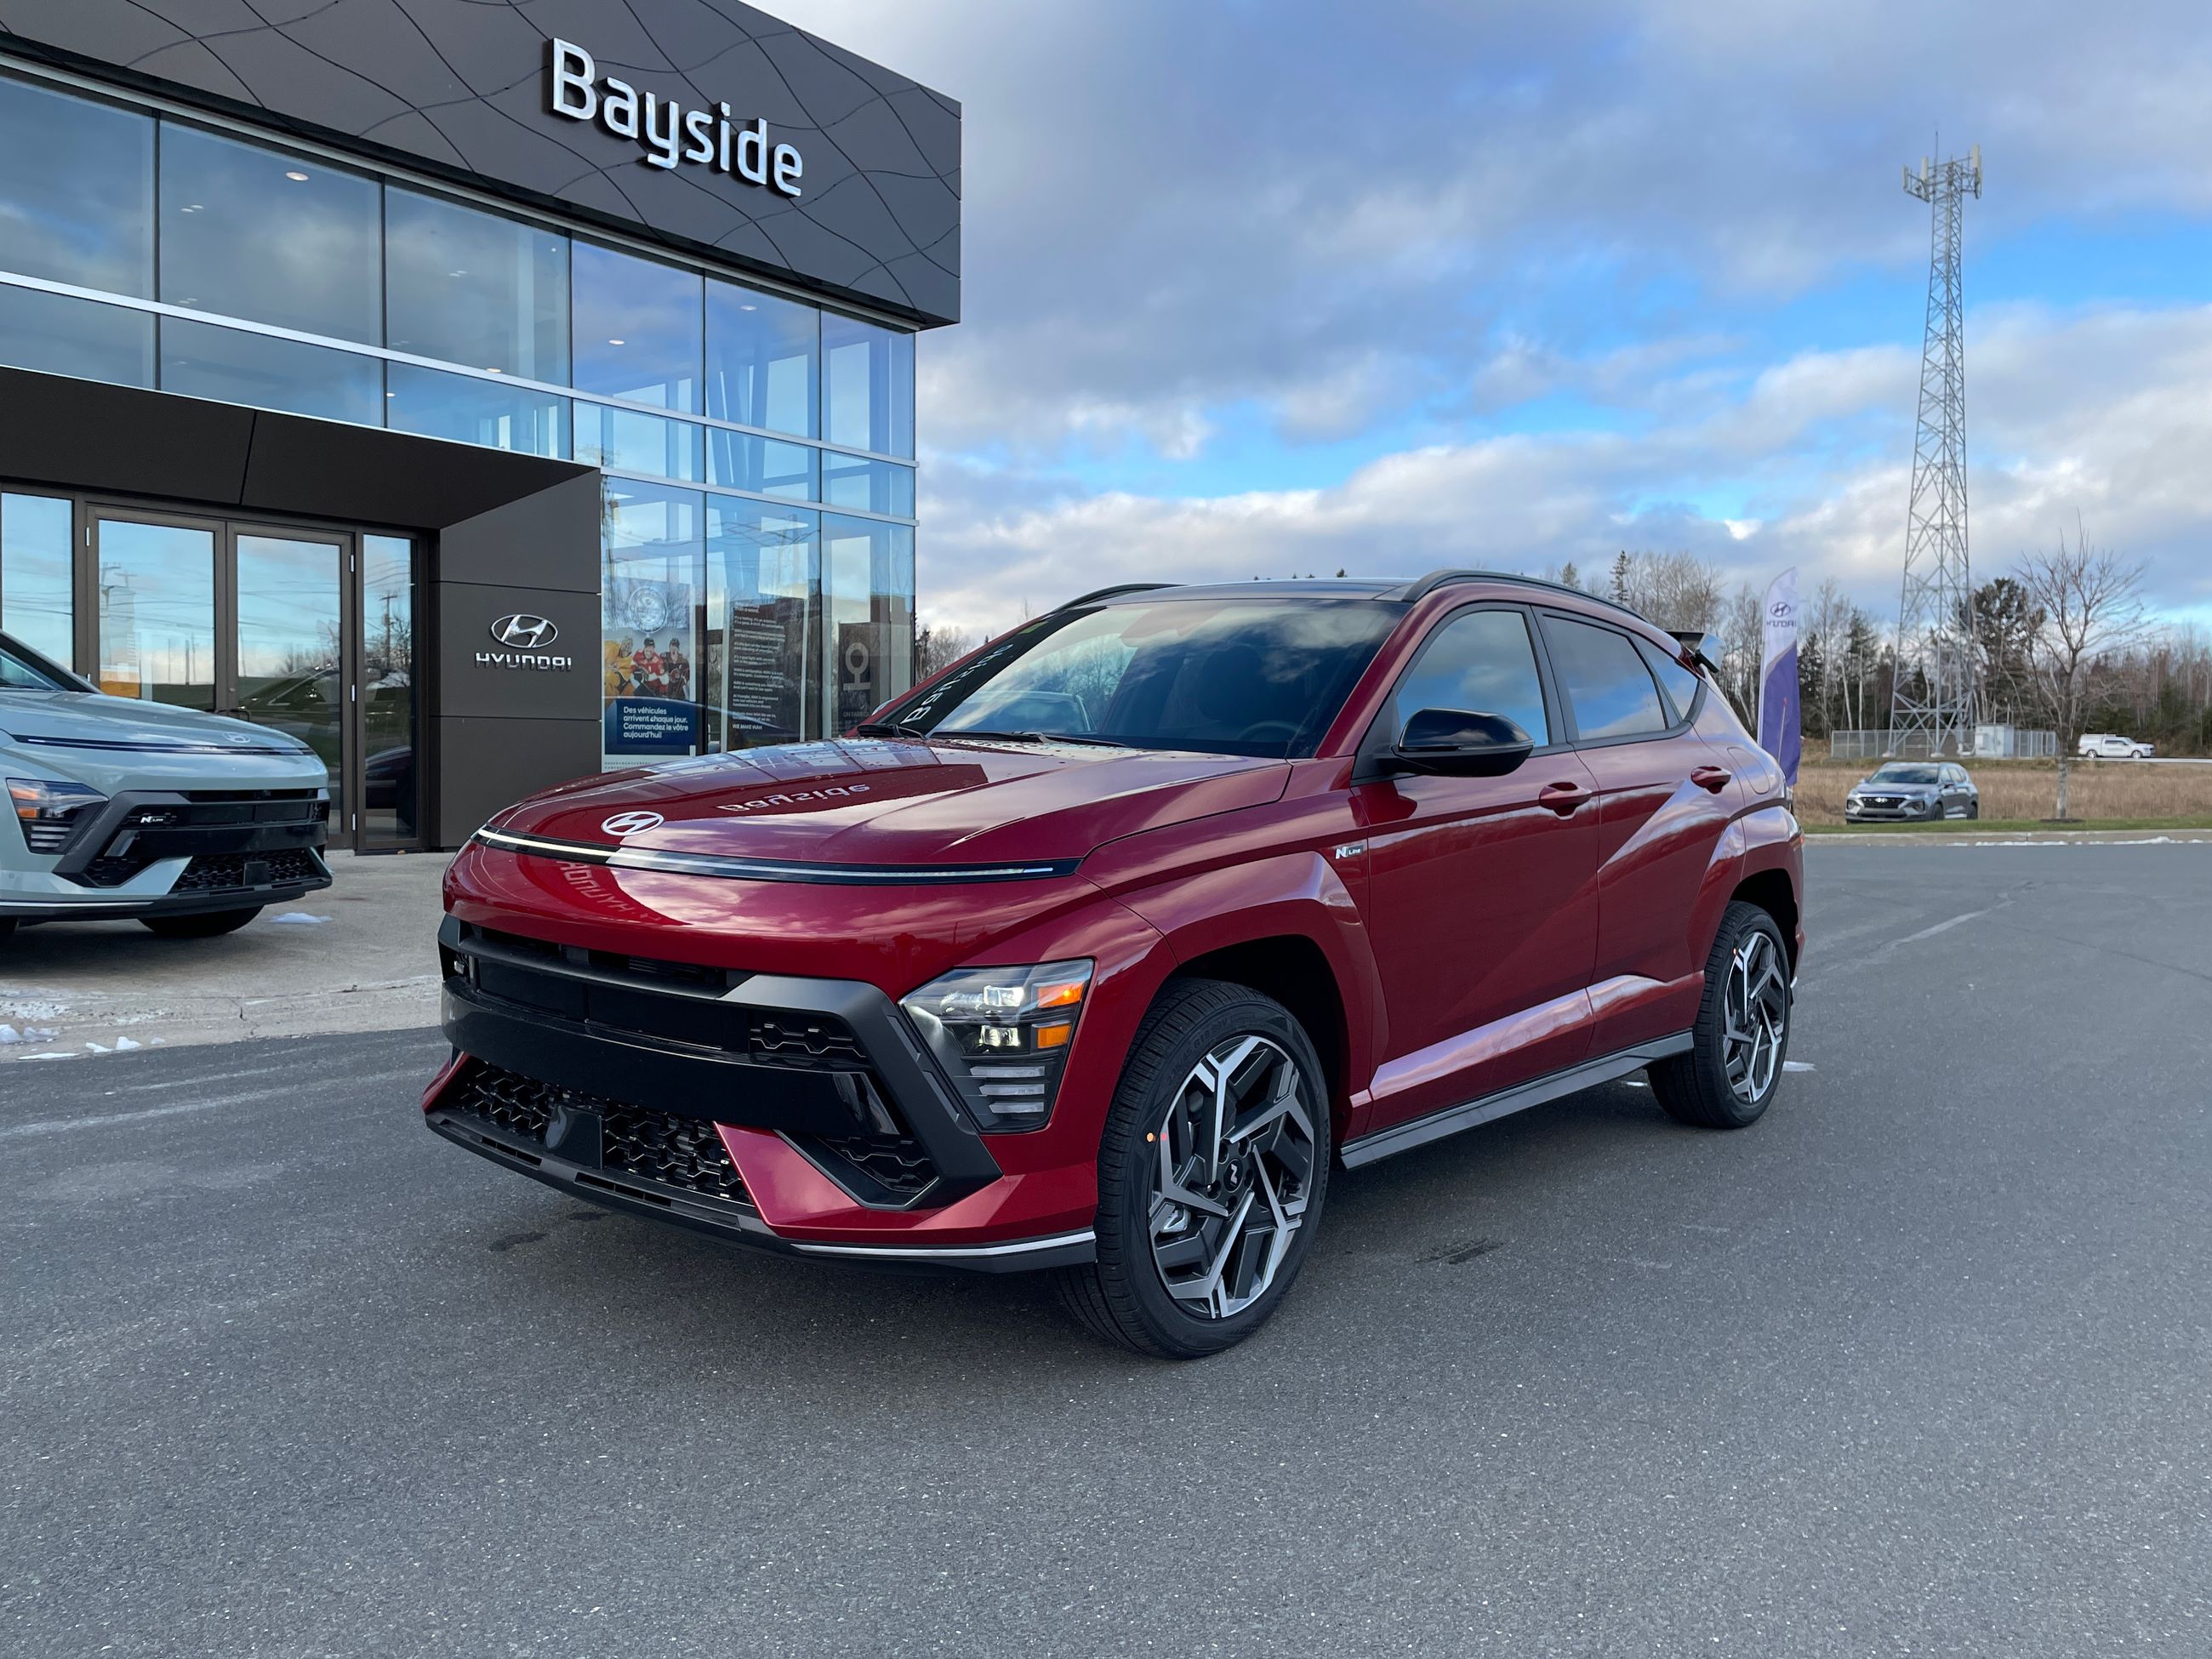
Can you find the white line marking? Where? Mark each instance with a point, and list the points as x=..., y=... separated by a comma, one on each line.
x=1943, y=926
x=144, y=1115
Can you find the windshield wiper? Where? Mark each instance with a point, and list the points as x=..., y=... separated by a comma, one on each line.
x=1035, y=737
x=890, y=729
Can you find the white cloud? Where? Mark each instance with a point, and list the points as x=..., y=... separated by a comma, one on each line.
x=2109, y=413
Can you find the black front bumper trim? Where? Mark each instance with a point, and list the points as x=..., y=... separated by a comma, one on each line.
x=734, y=1225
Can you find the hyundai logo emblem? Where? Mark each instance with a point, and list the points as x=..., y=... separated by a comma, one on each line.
x=525, y=631
x=624, y=825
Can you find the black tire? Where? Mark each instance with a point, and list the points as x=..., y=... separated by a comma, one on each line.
x=7, y=926
x=1123, y=1296
x=1973, y=808
x=201, y=923
x=1697, y=1087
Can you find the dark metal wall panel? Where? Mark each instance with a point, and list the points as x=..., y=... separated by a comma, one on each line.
x=558, y=679
x=548, y=540
x=458, y=86
x=82, y=435
x=485, y=765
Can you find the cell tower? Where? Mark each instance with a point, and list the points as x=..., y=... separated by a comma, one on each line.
x=1934, y=712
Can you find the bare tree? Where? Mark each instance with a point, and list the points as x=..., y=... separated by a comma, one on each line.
x=2090, y=605
x=937, y=647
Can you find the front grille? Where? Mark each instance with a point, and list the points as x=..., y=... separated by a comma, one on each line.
x=218, y=872
x=893, y=1163
x=682, y=1153
x=806, y=1040
x=520, y=1105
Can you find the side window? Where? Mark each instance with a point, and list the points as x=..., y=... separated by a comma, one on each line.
x=1610, y=691
x=1482, y=662
x=1680, y=684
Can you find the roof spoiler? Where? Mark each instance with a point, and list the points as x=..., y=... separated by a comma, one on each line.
x=1705, y=647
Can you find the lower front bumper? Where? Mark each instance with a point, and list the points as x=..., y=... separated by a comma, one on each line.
x=739, y=1224
x=29, y=907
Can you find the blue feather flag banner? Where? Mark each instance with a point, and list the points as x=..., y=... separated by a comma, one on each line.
x=1780, y=734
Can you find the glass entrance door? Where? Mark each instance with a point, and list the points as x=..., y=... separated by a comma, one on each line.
x=287, y=667
x=265, y=623
x=155, y=597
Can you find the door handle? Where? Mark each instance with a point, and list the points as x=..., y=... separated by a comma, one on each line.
x=1562, y=798
x=1714, y=778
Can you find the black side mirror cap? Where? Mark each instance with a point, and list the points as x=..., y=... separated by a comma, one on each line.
x=1458, y=742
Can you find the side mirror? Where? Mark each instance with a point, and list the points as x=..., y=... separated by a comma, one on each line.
x=1459, y=743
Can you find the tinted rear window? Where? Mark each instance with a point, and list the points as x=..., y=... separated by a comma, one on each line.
x=1606, y=683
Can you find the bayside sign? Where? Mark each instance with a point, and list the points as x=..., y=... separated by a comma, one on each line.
x=670, y=133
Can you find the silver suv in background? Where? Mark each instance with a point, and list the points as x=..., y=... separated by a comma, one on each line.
x=1907, y=792
x=186, y=822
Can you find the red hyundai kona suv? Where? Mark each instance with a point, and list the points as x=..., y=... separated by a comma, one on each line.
x=1099, y=952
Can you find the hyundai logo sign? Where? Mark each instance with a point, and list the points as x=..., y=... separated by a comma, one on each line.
x=625, y=825
x=525, y=631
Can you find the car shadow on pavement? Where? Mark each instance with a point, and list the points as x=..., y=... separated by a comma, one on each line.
x=638, y=1303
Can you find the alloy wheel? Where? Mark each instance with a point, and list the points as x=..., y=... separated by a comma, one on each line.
x=1757, y=1016
x=1235, y=1166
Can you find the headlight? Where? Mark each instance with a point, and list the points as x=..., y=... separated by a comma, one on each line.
x=49, y=812
x=1003, y=1034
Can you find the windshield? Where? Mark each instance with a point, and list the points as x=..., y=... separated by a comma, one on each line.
x=1903, y=775
x=21, y=672
x=1233, y=677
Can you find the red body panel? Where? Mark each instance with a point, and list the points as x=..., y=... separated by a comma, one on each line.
x=1475, y=936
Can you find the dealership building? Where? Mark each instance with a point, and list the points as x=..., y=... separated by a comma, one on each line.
x=486, y=394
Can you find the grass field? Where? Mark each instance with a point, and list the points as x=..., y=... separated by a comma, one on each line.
x=2114, y=794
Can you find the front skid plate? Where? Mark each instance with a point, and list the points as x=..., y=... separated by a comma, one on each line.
x=734, y=1225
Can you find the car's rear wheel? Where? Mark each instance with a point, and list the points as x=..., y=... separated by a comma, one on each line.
x=204, y=924
x=1211, y=1175
x=1734, y=1064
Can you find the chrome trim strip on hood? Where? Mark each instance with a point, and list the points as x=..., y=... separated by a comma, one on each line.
x=730, y=867
x=180, y=747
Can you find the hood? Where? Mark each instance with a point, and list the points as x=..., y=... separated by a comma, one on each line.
x=89, y=722
x=1869, y=786
x=864, y=802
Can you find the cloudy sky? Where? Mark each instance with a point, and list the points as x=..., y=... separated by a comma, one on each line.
x=1281, y=286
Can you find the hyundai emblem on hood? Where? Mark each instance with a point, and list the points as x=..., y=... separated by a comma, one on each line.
x=624, y=825
x=525, y=631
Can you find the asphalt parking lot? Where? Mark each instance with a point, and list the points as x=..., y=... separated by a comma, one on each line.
x=1917, y=1365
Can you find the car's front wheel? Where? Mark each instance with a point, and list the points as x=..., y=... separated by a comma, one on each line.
x=202, y=924
x=1734, y=1067
x=1210, y=1174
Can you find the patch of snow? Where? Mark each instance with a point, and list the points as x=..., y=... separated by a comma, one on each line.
x=303, y=919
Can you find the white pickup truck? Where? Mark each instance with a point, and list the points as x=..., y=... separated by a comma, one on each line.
x=2109, y=745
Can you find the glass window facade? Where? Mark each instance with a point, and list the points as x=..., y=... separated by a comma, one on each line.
x=257, y=234
x=867, y=385
x=37, y=601
x=761, y=354
x=638, y=329
x=469, y=286
x=533, y=340
x=77, y=190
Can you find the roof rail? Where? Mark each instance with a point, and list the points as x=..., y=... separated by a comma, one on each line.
x=1097, y=594
x=1436, y=579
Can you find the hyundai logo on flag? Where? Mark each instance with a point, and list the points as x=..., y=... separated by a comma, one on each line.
x=625, y=825
x=525, y=631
